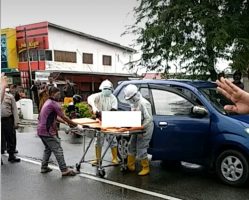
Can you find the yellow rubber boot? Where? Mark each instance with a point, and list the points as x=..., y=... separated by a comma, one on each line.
x=145, y=167
x=98, y=155
x=115, y=155
x=131, y=163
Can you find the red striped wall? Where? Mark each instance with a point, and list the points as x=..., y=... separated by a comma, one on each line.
x=32, y=26
x=32, y=33
x=36, y=33
x=35, y=65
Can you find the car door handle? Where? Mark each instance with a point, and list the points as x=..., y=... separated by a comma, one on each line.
x=163, y=123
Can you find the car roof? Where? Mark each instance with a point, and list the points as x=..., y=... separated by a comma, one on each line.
x=176, y=82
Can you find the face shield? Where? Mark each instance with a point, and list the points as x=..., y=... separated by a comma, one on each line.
x=134, y=99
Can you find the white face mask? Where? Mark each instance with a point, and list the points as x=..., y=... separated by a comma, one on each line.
x=106, y=92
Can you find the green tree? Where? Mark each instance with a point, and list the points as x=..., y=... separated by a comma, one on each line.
x=237, y=11
x=196, y=32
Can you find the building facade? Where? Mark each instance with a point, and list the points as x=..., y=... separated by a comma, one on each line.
x=9, y=58
x=84, y=59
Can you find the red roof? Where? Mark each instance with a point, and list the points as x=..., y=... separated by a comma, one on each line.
x=152, y=75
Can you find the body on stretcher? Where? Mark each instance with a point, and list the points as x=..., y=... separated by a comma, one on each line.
x=94, y=129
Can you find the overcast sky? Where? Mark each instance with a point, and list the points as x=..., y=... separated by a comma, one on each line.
x=103, y=18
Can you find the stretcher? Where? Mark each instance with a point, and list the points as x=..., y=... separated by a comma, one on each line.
x=92, y=129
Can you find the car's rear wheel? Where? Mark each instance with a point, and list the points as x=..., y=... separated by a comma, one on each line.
x=123, y=143
x=232, y=167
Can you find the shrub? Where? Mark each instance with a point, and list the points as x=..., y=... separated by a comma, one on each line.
x=84, y=110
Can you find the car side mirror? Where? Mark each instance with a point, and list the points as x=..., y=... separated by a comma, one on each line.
x=199, y=111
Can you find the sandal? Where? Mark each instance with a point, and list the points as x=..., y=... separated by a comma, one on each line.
x=69, y=172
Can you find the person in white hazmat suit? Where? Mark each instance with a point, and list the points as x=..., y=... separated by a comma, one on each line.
x=138, y=144
x=104, y=101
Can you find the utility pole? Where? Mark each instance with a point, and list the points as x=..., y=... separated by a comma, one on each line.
x=29, y=67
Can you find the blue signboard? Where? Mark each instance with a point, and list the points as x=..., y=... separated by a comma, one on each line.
x=4, y=57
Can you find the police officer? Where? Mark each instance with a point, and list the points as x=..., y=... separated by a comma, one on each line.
x=10, y=120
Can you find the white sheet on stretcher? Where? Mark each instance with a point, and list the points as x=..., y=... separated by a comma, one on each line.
x=121, y=119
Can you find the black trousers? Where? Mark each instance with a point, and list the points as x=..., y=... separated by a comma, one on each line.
x=8, y=135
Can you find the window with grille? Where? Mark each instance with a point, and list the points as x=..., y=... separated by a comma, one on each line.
x=41, y=54
x=23, y=56
x=48, y=55
x=65, y=56
x=88, y=58
x=33, y=54
x=107, y=60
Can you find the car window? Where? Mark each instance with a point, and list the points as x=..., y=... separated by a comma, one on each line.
x=145, y=93
x=169, y=103
x=190, y=95
x=217, y=99
x=120, y=96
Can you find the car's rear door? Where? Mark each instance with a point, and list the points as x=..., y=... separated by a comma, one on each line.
x=178, y=135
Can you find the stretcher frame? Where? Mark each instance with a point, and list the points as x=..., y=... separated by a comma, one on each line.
x=96, y=133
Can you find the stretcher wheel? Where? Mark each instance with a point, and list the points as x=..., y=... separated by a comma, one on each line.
x=67, y=131
x=123, y=169
x=101, y=173
x=78, y=167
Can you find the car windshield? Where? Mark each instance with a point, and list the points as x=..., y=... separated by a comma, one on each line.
x=217, y=99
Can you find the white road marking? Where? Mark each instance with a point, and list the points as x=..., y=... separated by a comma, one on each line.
x=155, y=194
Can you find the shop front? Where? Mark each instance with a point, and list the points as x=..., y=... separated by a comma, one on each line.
x=85, y=83
x=32, y=42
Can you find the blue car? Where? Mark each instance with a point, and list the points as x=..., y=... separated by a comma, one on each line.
x=191, y=125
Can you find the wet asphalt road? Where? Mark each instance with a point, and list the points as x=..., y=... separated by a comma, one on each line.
x=23, y=180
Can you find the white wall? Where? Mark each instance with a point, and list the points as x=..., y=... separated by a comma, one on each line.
x=65, y=41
